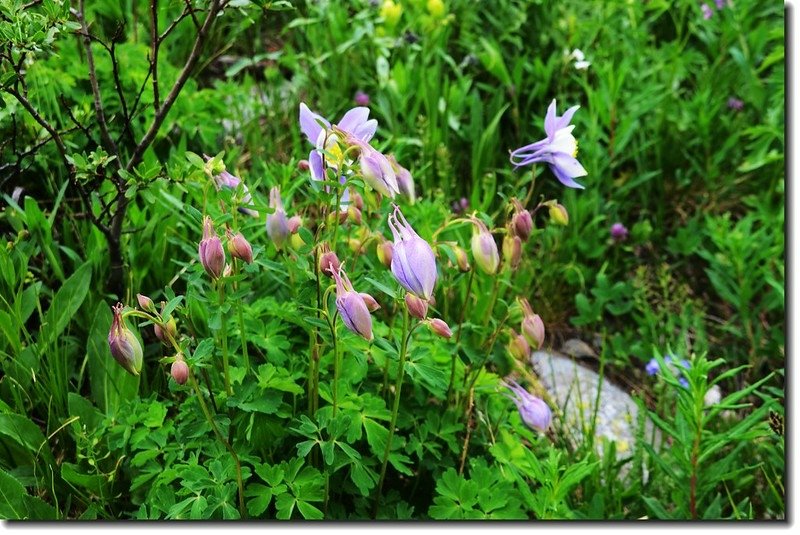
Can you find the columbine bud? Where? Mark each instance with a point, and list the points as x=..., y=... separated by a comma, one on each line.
x=145, y=303
x=354, y=214
x=376, y=169
x=521, y=221
x=328, y=261
x=372, y=304
x=484, y=249
x=404, y=180
x=294, y=224
x=180, y=370
x=512, y=250
x=416, y=307
x=303, y=165
x=559, y=214
x=533, y=411
x=518, y=347
x=277, y=223
x=461, y=259
x=357, y=200
x=532, y=325
x=619, y=232
x=440, y=327
x=351, y=306
x=212, y=257
x=125, y=347
x=413, y=261
x=385, y=250
x=361, y=98
x=239, y=247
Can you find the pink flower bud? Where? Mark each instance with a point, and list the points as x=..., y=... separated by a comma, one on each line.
x=239, y=247
x=124, y=346
x=354, y=214
x=145, y=303
x=533, y=411
x=212, y=256
x=518, y=347
x=416, y=307
x=277, y=223
x=180, y=371
x=294, y=224
x=521, y=221
x=303, y=165
x=461, y=259
x=440, y=327
x=352, y=306
x=328, y=261
x=533, y=330
x=404, y=180
x=372, y=304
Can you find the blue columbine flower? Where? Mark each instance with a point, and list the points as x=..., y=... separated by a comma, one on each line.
x=558, y=149
x=533, y=411
x=653, y=368
x=413, y=261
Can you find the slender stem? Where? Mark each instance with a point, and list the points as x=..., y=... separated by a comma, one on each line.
x=492, y=300
x=458, y=334
x=465, y=447
x=398, y=386
x=224, y=340
x=241, y=324
x=336, y=366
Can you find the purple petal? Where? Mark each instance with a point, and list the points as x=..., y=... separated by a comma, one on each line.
x=365, y=131
x=315, y=164
x=565, y=119
x=353, y=119
x=563, y=178
x=309, y=123
x=550, y=120
x=569, y=165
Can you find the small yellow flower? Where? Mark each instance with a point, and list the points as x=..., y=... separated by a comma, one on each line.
x=436, y=8
x=391, y=12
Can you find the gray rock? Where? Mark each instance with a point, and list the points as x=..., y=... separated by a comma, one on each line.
x=574, y=389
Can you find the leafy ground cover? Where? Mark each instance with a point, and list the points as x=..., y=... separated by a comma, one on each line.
x=289, y=260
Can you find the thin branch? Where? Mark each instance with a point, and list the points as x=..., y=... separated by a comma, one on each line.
x=154, y=44
x=118, y=85
x=98, y=104
x=186, y=12
x=176, y=88
x=191, y=12
x=75, y=121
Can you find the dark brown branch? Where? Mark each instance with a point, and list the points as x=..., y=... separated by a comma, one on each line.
x=172, y=25
x=194, y=56
x=98, y=103
x=118, y=84
x=155, y=42
x=191, y=12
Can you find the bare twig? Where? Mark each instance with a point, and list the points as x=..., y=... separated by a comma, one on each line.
x=154, y=44
x=176, y=88
x=191, y=13
x=98, y=103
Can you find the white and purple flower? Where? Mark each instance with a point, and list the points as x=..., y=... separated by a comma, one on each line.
x=533, y=411
x=413, y=261
x=558, y=149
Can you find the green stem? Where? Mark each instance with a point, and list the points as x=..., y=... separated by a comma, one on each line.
x=458, y=335
x=336, y=366
x=241, y=325
x=492, y=300
x=224, y=339
x=395, y=407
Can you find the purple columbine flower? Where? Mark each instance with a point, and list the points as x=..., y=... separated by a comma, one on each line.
x=405, y=182
x=533, y=411
x=707, y=11
x=619, y=232
x=735, y=104
x=376, y=169
x=227, y=180
x=413, y=261
x=352, y=306
x=558, y=149
x=124, y=346
x=317, y=129
x=212, y=256
x=361, y=98
x=277, y=222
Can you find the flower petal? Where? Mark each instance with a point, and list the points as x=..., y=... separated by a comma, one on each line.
x=569, y=165
x=565, y=119
x=365, y=131
x=315, y=164
x=563, y=178
x=309, y=123
x=354, y=119
x=550, y=119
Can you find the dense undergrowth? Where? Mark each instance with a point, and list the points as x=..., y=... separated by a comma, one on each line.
x=674, y=248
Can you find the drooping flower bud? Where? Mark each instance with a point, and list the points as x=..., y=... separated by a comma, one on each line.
x=619, y=232
x=239, y=247
x=212, y=256
x=484, y=248
x=277, y=222
x=416, y=307
x=351, y=306
x=303, y=165
x=294, y=224
x=125, y=347
x=521, y=221
x=378, y=172
x=532, y=325
x=361, y=98
x=372, y=304
x=440, y=328
x=533, y=411
x=179, y=370
x=512, y=250
x=385, y=250
x=461, y=259
x=146, y=304
x=356, y=199
x=223, y=179
x=328, y=261
x=413, y=261
x=518, y=347
x=354, y=214
x=404, y=180
x=559, y=214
